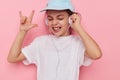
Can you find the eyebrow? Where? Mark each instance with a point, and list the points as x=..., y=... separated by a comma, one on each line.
x=57, y=15
x=48, y=16
x=60, y=15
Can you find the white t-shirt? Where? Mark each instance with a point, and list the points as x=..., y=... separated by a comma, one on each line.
x=56, y=58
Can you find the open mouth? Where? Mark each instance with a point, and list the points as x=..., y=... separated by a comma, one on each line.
x=56, y=29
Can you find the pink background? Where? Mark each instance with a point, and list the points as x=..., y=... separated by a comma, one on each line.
x=101, y=20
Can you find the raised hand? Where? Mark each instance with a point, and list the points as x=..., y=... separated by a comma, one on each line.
x=76, y=21
x=26, y=22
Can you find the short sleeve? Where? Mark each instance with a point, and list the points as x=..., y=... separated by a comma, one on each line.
x=30, y=52
x=83, y=60
x=87, y=61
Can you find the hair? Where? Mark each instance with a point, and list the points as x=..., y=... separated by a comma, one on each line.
x=69, y=12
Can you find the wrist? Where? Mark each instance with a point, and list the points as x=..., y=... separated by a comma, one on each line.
x=81, y=30
x=78, y=28
x=22, y=32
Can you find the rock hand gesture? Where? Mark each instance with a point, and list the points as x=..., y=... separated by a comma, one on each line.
x=26, y=22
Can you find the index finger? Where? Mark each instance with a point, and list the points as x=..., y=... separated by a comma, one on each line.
x=31, y=15
x=20, y=13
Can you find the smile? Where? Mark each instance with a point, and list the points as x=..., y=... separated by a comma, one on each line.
x=56, y=29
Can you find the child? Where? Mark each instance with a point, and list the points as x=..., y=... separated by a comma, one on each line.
x=59, y=54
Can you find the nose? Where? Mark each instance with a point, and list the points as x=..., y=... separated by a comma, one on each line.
x=54, y=22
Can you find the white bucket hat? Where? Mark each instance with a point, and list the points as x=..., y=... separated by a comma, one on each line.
x=59, y=5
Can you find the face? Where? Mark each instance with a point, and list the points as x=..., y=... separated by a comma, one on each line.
x=58, y=22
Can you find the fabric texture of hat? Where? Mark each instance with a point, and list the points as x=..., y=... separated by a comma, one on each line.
x=59, y=5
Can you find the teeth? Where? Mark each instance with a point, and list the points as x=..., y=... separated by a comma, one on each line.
x=56, y=28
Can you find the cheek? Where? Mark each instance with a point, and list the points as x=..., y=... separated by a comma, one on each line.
x=63, y=23
x=49, y=25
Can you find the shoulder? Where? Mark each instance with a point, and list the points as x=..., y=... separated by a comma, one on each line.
x=76, y=38
x=39, y=38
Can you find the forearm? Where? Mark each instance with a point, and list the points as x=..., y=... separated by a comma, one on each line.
x=15, y=50
x=92, y=48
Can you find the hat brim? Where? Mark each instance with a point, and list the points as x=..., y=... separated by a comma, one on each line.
x=52, y=9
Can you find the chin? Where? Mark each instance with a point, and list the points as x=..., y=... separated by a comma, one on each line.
x=57, y=35
x=60, y=35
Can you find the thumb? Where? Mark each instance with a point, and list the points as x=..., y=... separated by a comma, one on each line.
x=33, y=25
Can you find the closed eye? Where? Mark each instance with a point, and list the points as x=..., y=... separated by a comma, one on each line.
x=60, y=18
x=50, y=19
